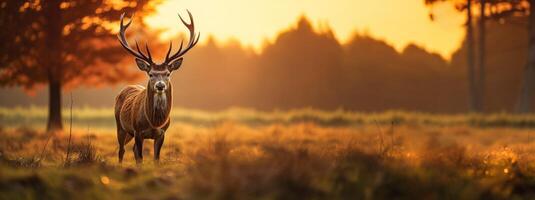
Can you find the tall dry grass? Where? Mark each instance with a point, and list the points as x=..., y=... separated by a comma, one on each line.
x=279, y=161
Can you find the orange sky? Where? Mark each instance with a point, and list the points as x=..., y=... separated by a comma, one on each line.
x=399, y=22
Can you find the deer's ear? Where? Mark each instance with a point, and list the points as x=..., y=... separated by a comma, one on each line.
x=142, y=65
x=175, y=64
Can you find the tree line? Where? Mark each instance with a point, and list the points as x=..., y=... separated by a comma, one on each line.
x=306, y=67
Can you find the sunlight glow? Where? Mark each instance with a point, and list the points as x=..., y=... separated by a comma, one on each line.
x=255, y=22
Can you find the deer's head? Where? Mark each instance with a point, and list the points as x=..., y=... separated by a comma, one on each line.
x=159, y=73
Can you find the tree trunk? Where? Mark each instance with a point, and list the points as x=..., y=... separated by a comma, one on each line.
x=472, y=90
x=52, y=61
x=526, y=95
x=481, y=57
x=54, y=106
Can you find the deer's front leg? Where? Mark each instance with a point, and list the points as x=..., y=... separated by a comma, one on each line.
x=138, y=147
x=158, y=142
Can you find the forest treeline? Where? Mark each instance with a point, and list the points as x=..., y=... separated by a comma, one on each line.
x=307, y=67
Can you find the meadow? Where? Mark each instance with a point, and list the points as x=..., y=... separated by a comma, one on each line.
x=297, y=154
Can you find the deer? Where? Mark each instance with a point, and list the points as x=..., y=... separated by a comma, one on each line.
x=143, y=112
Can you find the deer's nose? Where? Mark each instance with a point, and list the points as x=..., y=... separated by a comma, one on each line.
x=160, y=86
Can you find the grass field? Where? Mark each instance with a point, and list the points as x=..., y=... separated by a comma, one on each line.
x=103, y=119
x=300, y=154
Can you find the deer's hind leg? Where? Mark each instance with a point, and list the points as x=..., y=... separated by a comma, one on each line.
x=121, y=139
x=121, y=135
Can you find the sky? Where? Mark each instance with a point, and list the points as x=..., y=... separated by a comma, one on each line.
x=398, y=22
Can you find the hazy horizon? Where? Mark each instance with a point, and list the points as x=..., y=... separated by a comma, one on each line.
x=374, y=76
x=254, y=23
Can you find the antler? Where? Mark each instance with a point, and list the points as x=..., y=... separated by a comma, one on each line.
x=192, y=40
x=122, y=39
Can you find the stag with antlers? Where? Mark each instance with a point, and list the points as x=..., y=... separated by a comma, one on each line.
x=143, y=113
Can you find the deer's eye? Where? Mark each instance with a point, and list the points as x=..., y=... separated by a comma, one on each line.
x=168, y=74
x=150, y=75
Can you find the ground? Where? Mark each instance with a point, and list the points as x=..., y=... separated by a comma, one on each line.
x=281, y=155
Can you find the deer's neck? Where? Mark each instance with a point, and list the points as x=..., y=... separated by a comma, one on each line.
x=158, y=106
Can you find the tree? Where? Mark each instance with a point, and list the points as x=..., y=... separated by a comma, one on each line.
x=502, y=10
x=526, y=96
x=514, y=8
x=474, y=98
x=481, y=54
x=62, y=43
x=301, y=68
